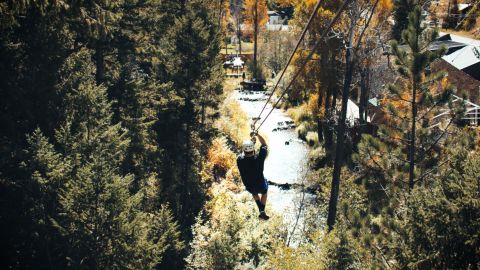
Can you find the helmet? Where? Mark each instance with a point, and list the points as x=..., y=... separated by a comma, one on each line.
x=248, y=146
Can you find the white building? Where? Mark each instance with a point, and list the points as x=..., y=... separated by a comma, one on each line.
x=276, y=22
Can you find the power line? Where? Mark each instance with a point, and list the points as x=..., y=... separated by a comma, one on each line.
x=310, y=20
x=325, y=32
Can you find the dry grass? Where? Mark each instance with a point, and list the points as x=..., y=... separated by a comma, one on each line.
x=234, y=122
x=221, y=156
x=298, y=114
x=247, y=48
x=229, y=85
x=312, y=138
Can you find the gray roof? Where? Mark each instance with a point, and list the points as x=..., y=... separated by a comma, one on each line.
x=465, y=57
x=449, y=44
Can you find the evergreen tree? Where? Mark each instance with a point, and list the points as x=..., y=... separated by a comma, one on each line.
x=442, y=225
x=421, y=94
x=112, y=143
x=136, y=107
x=33, y=45
x=407, y=152
x=48, y=172
x=341, y=254
x=398, y=155
x=102, y=224
x=95, y=24
x=190, y=64
x=401, y=9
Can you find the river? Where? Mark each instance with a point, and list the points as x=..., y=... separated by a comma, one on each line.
x=286, y=162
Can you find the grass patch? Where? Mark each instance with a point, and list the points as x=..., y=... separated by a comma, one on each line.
x=229, y=85
x=299, y=114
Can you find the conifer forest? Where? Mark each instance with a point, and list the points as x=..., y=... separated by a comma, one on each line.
x=123, y=124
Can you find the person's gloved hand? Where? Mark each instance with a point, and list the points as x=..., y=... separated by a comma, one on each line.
x=253, y=136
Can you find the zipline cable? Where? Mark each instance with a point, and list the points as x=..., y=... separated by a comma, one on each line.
x=327, y=30
x=310, y=20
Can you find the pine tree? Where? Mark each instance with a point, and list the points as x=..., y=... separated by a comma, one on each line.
x=441, y=228
x=342, y=255
x=409, y=107
x=190, y=64
x=33, y=45
x=406, y=153
x=94, y=24
x=401, y=9
x=421, y=95
x=104, y=133
x=102, y=222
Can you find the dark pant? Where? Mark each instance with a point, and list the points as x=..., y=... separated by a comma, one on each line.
x=261, y=188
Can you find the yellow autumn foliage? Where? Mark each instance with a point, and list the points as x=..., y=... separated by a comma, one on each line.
x=312, y=105
x=385, y=5
x=222, y=158
x=234, y=122
x=249, y=13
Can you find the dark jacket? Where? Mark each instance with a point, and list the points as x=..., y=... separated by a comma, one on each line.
x=251, y=168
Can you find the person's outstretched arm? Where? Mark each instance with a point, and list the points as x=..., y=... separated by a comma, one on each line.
x=261, y=139
x=263, y=149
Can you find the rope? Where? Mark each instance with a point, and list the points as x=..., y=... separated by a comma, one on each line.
x=334, y=20
x=310, y=20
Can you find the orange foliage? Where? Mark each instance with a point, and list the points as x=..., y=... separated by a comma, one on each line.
x=312, y=105
x=249, y=13
x=286, y=3
x=385, y=5
x=222, y=158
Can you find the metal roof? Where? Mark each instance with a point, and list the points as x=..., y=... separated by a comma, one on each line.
x=457, y=38
x=449, y=44
x=465, y=57
x=461, y=7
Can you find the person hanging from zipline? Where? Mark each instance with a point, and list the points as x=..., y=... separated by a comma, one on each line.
x=250, y=166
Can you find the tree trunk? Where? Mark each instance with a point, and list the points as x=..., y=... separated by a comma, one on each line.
x=319, y=119
x=322, y=75
x=364, y=96
x=100, y=63
x=255, y=36
x=328, y=135
x=239, y=35
x=184, y=195
x=332, y=205
x=411, y=180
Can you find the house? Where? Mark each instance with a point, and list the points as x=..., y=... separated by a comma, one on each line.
x=464, y=9
x=466, y=59
x=461, y=62
x=466, y=84
x=277, y=21
x=274, y=17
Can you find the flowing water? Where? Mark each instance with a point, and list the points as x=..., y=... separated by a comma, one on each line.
x=286, y=162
